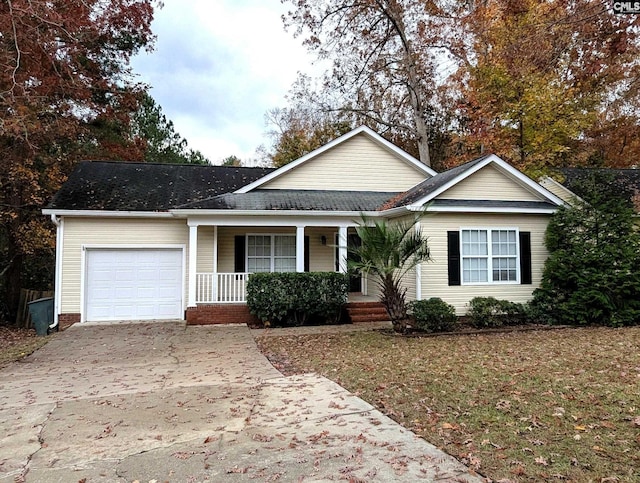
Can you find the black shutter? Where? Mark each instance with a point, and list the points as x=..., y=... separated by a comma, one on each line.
x=525, y=258
x=453, y=250
x=306, y=253
x=239, y=254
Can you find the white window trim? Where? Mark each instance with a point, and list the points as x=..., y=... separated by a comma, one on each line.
x=272, y=256
x=490, y=280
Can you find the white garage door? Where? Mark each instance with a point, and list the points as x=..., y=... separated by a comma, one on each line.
x=133, y=284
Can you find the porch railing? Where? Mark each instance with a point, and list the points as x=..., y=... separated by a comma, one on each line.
x=221, y=288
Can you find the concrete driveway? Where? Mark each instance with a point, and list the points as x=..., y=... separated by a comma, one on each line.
x=165, y=402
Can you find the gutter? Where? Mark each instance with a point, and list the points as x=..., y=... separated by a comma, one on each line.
x=57, y=284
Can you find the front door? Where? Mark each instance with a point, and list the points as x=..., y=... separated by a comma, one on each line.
x=355, y=280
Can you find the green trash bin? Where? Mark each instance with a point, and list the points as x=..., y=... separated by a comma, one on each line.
x=41, y=312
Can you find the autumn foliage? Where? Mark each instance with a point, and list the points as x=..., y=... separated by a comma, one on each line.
x=541, y=83
x=550, y=84
x=65, y=92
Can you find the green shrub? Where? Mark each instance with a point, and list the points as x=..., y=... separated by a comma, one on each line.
x=433, y=315
x=491, y=312
x=592, y=274
x=292, y=299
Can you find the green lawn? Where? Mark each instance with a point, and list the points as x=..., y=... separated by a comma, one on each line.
x=558, y=405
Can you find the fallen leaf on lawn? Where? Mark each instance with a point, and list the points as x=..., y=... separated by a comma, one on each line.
x=503, y=405
x=541, y=461
x=448, y=426
x=580, y=428
x=636, y=421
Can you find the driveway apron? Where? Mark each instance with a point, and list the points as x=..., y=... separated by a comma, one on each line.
x=165, y=402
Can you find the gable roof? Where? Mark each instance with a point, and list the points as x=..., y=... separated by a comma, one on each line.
x=152, y=187
x=429, y=189
x=119, y=186
x=375, y=137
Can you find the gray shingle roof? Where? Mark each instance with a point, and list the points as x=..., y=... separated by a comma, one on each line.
x=430, y=185
x=621, y=182
x=118, y=186
x=318, y=200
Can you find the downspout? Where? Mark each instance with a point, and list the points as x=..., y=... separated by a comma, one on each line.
x=57, y=283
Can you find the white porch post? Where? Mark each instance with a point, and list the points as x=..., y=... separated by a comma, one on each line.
x=342, y=249
x=193, y=257
x=215, y=263
x=300, y=249
x=418, y=272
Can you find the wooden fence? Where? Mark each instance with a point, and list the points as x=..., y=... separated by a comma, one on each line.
x=23, y=319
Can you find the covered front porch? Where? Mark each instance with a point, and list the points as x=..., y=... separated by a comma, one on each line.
x=224, y=253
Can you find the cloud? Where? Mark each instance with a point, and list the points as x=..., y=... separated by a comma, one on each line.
x=218, y=67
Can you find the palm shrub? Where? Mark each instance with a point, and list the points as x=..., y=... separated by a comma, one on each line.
x=387, y=252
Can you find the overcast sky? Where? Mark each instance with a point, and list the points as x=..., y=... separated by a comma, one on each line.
x=218, y=67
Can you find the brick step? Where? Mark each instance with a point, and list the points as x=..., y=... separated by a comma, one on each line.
x=359, y=319
x=367, y=312
x=355, y=305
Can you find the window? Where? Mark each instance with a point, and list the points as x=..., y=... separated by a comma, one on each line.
x=489, y=255
x=271, y=253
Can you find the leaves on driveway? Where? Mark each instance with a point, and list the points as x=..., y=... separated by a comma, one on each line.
x=542, y=405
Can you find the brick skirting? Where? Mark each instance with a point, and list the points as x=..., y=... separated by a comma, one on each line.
x=220, y=314
x=67, y=320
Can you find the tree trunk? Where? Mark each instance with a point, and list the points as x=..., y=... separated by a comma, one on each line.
x=417, y=96
x=422, y=132
x=393, y=299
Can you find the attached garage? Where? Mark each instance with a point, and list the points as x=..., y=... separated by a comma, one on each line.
x=133, y=284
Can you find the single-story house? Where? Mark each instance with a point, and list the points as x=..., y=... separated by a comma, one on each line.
x=159, y=241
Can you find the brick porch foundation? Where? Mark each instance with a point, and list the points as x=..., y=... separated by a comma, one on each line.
x=67, y=320
x=220, y=314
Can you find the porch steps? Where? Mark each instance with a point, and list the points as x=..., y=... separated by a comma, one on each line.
x=363, y=312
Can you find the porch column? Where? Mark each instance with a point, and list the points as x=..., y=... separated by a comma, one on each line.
x=418, y=272
x=193, y=257
x=342, y=249
x=300, y=249
x=215, y=263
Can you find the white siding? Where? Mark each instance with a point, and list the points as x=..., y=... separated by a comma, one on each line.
x=205, y=249
x=358, y=164
x=489, y=184
x=321, y=257
x=557, y=189
x=435, y=276
x=110, y=231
